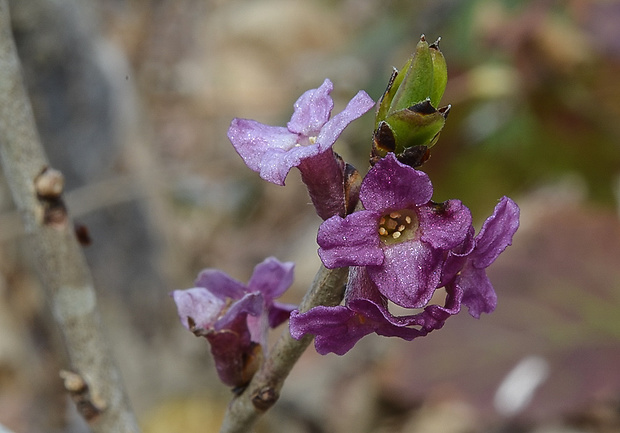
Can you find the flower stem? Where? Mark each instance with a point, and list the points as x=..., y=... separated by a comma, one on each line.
x=264, y=389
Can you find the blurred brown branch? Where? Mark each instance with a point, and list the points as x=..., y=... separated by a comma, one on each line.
x=37, y=192
x=264, y=389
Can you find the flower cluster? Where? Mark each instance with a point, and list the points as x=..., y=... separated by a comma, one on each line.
x=401, y=248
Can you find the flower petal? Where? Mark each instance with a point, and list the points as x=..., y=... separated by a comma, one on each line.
x=445, y=225
x=336, y=329
x=279, y=313
x=496, y=233
x=199, y=304
x=271, y=278
x=312, y=110
x=350, y=241
x=251, y=304
x=220, y=284
x=391, y=185
x=478, y=293
x=457, y=257
x=264, y=148
x=330, y=132
x=409, y=274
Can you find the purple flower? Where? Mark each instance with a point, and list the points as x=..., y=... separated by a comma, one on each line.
x=305, y=143
x=465, y=268
x=365, y=308
x=234, y=317
x=401, y=237
x=273, y=150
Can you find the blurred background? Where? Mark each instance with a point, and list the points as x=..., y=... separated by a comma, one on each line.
x=133, y=99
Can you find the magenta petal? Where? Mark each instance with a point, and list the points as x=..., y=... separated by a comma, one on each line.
x=271, y=278
x=336, y=329
x=350, y=241
x=478, y=293
x=409, y=274
x=312, y=110
x=382, y=322
x=496, y=233
x=330, y=132
x=220, y=284
x=390, y=185
x=457, y=257
x=279, y=313
x=445, y=225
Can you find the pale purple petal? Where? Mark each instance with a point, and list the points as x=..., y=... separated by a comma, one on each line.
x=330, y=132
x=271, y=278
x=496, y=233
x=259, y=328
x=262, y=147
x=409, y=274
x=391, y=185
x=220, y=284
x=350, y=241
x=200, y=305
x=444, y=225
x=312, y=110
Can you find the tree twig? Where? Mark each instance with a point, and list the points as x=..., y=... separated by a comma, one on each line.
x=264, y=389
x=37, y=193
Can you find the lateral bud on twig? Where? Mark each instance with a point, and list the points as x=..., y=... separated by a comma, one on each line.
x=49, y=184
x=265, y=397
x=79, y=391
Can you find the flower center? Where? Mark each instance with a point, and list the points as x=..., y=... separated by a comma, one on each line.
x=307, y=141
x=398, y=226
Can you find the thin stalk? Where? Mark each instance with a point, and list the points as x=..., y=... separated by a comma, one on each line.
x=91, y=376
x=264, y=389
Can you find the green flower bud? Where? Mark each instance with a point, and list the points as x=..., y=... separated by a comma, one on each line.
x=407, y=120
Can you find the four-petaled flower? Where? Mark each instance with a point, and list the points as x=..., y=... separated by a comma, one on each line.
x=306, y=143
x=235, y=317
x=273, y=150
x=401, y=237
x=365, y=309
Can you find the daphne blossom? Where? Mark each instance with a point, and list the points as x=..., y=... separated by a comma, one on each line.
x=403, y=248
x=306, y=143
x=235, y=317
